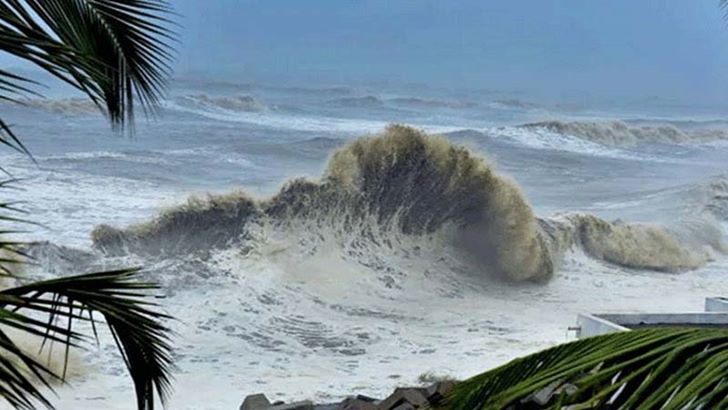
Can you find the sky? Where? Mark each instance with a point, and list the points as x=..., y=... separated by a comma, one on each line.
x=671, y=49
x=674, y=49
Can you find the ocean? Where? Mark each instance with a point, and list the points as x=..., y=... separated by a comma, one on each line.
x=310, y=249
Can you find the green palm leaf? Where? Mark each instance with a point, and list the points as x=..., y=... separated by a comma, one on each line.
x=120, y=299
x=115, y=51
x=50, y=309
x=680, y=368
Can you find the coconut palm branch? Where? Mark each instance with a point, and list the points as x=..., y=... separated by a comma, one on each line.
x=666, y=368
x=117, y=53
x=119, y=298
x=51, y=309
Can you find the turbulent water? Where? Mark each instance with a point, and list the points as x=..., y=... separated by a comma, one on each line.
x=311, y=249
x=402, y=184
x=620, y=134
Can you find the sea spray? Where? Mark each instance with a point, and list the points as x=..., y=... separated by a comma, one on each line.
x=423, y=183
x=385, y=192
x=199, y=225
x=403, y=181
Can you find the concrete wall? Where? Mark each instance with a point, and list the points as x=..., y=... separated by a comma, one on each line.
x=598, y=324
x=666, y=319
x=592, y=325
x=716, y=304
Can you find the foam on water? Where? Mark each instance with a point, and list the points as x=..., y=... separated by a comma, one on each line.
x=620, y=134
x=543, y=138
x=374, y=273
x=298, y=122
x=403, y=182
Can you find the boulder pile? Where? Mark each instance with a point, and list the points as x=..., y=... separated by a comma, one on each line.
x=403, y=398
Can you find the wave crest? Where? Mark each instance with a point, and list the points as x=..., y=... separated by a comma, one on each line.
x=403, y=181
x=368, y=101
x=620, y=134
x=630, y=245
x=416, y=102
x=63, y=106
x=200, y=224
x=403, y=188
x=240, y=103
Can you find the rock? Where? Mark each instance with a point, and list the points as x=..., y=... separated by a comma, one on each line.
x=404, y=396
x=357, y=404
x=260, y=402
x=438, y=391
x=328, y=406
x=365, y=398
x=299, y=405
x=255, y=402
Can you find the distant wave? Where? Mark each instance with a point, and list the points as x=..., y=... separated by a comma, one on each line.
x=431, y=103
x=277, y=118
x=244, y=103
x=541, y=138
x=371, y=101
x=368, y=101
x=322, y=91
x=320, y=143
x=620, y=134
x=686, y=123
x=512, y=104
x=64, y=106
x=400, y=191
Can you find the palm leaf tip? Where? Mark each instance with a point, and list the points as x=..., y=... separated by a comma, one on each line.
x=652, y=368
x=136, y=325
x=116, y=51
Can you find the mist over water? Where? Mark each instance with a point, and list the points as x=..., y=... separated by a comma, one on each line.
x=312, y=249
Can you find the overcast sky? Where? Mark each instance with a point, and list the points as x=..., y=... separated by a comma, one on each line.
x=641, y=48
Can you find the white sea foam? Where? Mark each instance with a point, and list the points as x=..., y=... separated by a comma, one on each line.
x=301, y=123
x=541, y=138
x=620, y=134
x=300, y=310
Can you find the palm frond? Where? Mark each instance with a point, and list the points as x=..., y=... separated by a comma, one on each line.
x=115, y=51
x=12, y=253
x=680, y=368
x=16, y=386
x=50, y=309
x=121, y=299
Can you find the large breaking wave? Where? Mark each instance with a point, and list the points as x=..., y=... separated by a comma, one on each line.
x=404, y=189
